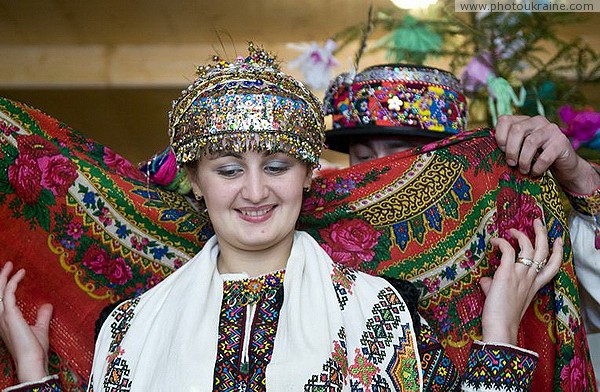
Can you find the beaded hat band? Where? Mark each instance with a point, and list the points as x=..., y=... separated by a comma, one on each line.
x=246, y=105
x=394, y=99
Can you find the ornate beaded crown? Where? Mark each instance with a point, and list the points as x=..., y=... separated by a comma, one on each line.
x=248, y=104
x=394, y=99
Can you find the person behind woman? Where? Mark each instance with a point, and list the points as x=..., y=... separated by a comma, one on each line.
x=262, y=306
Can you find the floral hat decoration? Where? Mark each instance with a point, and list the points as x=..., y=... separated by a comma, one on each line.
x=394, y=99
x=247, y=104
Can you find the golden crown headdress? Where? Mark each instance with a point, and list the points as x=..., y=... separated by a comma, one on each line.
x=247, y=104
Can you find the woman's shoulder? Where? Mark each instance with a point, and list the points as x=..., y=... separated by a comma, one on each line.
x=389, y=291
x=360, y=283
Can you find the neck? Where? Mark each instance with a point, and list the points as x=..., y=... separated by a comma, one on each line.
x=254, y=262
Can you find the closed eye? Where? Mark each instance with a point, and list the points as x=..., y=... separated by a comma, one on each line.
x=364, y=158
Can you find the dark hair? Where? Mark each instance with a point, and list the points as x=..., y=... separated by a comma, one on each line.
x=104, y=313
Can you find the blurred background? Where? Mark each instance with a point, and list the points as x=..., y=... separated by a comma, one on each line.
x=110, y=69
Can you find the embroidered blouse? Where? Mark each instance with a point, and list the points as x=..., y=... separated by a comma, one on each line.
x=248, y=324
x=247, y=327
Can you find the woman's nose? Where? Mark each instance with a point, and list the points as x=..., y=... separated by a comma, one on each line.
x=255, y=188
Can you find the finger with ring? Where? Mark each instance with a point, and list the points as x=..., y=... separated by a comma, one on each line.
x=525, y=261
x=540, y=264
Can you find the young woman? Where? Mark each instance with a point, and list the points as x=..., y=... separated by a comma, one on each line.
x=262, y=306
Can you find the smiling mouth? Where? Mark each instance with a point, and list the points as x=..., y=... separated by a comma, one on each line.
x=256, y=212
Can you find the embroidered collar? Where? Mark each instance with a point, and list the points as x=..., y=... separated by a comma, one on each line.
x=239, y=290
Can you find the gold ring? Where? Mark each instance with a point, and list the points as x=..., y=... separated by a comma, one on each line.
x=540, y=264
x=525, y=261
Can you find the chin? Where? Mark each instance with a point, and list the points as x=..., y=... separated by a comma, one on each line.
x=256, y=241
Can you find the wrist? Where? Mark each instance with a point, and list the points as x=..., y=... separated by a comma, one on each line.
x=31, y=372
x=503, y=335
x=582, y=180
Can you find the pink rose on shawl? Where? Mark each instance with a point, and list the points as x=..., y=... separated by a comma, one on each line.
x=118, y=271
x=98, y=260
x=40, y=165
x=582, y=125
x=516, y=211
x=58, y=173
x=574, y=374
x=121, y=165
x=350, y=241
x=25, y=177
x=36, y=147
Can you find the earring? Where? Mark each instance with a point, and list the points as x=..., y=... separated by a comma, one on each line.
x=200, y=200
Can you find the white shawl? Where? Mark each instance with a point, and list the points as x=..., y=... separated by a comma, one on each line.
x=166, y=339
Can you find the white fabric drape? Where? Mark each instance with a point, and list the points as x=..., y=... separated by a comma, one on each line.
x=166, y=340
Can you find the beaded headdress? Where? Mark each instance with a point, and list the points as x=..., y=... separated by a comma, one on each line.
x=248, y=104
x=394, y=99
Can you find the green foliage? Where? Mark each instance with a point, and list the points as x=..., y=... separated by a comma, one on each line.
x=526, y=49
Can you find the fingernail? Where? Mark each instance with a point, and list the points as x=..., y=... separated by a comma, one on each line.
x=510, y=162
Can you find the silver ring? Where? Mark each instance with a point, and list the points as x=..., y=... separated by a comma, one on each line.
x=1, y=299
x=525, y=261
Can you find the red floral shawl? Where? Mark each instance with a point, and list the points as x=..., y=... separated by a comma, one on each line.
x=91, y=231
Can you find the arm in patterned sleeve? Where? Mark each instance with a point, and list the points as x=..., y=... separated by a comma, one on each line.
x=497, y=367
x=584, y=227
x=491, y=367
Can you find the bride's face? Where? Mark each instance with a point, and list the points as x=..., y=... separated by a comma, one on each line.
x=253, y=198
